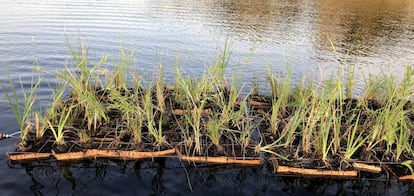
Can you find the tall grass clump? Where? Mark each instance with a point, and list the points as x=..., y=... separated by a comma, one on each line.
x=83, y=90
x=389, y=121
x=151, y=113
x=22, y=109
x=64, y=120
x=280, y=92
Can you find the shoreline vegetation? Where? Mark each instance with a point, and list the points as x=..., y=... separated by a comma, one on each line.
x=314, y=126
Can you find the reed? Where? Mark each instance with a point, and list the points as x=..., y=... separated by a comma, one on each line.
x=195, y=120
x=63, y=121
x=40, y=125
x=244, y=123
x=159, y=89
x=22, y=109
x=280, y=91
x=215, y=129
x=151, y=113
x=136, y=122
x=127, y=104
x=119, y=76
x=355, y=139
x=191, y=93
x=82, y=90
x=390, y=119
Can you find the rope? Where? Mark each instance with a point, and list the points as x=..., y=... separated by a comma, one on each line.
x=4, y=136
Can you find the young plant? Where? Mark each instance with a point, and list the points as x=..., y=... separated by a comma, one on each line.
x=324, y=142
x=246, y=125
x=294, y=122
x=22, y=115
x=64, y=119
x=83, y=136
x=409, y=165
x=40, y=125
x=135, y=122
x=159, y=87
x=354, y=141
x=280, y=92
x=270, y=148
x=195, y=120
x=119, y=76
x=310, y=124
x=128, y=105
x=84, y=95
x=215, y=129
x=402, y=142
x=149, y=113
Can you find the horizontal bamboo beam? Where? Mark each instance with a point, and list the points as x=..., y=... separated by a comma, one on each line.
x=219, y=160
x=316, y=172
x=286, y=170
x=407, y=178
x=182, y=112
x=111, y=154
x=367, y=168
x=28, y=156
x=259, y=103
x=70, y=156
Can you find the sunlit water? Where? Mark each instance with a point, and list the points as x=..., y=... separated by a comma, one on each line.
x=316, y=38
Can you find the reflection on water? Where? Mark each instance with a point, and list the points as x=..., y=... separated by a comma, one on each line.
x=297, y=32
x=169, y=177
x=364, y=27
x=260, y=21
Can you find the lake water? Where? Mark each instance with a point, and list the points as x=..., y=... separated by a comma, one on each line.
x=316, y=38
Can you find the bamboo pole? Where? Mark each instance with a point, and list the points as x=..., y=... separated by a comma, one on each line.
x=261, y=111
x=182, y=112
x=103, y=139
x=317, y=172
x=258, y=103
x=407, y=178
x=286, y=170
x=70, y=156
x=127, y=155
x=367, y=168
x=111, y=154
x=28, y=156
x=218, y=160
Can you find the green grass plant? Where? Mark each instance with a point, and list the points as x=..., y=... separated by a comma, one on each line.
x=22, y=109
x=64, y=121
x=195, y=120
x=159, y=89
x=215, y=129
x=82, y=89
x=150, y=113
x=127, y=103
x=280, y=91
x=40, y=124
x=354, y=140
x=245, y=124
x=389, y=122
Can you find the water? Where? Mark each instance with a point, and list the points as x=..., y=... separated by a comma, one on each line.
x=317, y=38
